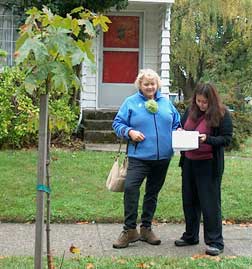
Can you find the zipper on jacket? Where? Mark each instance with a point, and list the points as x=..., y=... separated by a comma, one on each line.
x=136, y=144
x=157, y=136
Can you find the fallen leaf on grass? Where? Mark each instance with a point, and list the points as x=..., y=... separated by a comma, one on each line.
x=245, y=225
x=230, y=257
x=142, y=265
x=121, y=261
x=154, y=222
x=204, y=256
x=82, y=222
x=54, y=158
x=228, y=222
x=74, y=249
x=90, y=266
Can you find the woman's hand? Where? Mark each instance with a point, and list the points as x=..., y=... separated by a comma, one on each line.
x=179, y=129
x=136, y=136
x=202, y=138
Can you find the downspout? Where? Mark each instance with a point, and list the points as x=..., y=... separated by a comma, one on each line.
x=79, y=120
x=82, y=87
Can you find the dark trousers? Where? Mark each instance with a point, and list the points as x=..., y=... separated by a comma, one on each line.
x=201, y=192
x=155, y=173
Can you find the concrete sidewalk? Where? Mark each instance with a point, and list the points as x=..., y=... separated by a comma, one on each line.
x=97, y=239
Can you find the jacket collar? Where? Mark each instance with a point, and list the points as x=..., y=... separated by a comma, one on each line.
x=157, y=95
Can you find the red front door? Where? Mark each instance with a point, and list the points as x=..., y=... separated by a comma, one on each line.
x=120, y=60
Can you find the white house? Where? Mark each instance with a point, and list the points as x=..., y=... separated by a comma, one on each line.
x=138, y=37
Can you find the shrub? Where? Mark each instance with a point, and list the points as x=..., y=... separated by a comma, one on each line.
x=242, y=124
x=19, y=113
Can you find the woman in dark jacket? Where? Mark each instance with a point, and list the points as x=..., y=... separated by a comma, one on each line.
x=202, y=168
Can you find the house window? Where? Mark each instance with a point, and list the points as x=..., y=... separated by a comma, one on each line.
x=8, y=34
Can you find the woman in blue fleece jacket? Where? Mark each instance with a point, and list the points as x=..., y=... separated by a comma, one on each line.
x=146, y=119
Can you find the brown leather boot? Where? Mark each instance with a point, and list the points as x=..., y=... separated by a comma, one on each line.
x=126, y=237
x=148, y=236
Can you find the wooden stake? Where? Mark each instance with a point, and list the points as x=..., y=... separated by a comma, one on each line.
x=42, y=157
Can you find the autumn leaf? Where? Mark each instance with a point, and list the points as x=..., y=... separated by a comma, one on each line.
x=121, y=261
x=228, y=222
x=24, y=28
x=154, y=222
x=90, y=266
x=82, y=222
x=102, y=20
x=245, y=225
x=231, y=257
x=204, y=256
x=16, y=54
x=74, y=249
x=142, y=265
x=199, y=256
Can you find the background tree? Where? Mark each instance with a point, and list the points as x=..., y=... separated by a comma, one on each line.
x=210, y=39
x=62, y=7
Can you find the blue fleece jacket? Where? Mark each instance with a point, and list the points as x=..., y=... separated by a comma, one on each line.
x=157, y=128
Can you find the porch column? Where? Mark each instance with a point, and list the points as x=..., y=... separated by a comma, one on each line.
x=165, y=51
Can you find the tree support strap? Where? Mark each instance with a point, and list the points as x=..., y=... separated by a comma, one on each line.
x=43, y=188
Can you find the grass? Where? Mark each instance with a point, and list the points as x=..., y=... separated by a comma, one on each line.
x=79, y=193
x=245, y=150
x=135, y=262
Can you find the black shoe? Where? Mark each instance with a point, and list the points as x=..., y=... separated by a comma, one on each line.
x=183, y=243
x=213, y=251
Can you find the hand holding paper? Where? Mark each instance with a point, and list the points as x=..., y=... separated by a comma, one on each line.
x=202, y=138
x=185, y=140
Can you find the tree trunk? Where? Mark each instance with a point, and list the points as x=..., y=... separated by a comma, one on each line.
x=189, y=87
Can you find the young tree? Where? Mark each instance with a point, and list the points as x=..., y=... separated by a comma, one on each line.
x=49, y=48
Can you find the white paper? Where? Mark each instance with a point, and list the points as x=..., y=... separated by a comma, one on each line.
x=185, y=140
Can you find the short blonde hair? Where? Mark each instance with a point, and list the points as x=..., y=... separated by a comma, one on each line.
x=148, y=74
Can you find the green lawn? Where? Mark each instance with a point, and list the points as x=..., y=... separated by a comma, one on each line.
x=79, y=193
x=245, y=151
x=135, y=263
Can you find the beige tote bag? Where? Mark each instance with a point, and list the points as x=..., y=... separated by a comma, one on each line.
x=117, y=175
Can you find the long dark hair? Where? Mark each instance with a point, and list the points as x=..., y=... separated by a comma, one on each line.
x=216, y=109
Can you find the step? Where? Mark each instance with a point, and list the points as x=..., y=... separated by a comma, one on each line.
x=98, y=124
x=99, y=115
x=100, y=136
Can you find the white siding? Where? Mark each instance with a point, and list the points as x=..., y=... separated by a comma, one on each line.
x=165, y=50
x=156, y=48
x=88, y=95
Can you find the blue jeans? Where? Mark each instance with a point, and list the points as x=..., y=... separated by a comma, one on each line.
x=155, y=172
